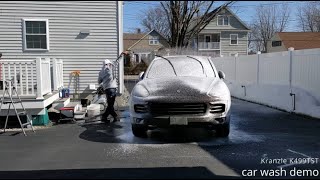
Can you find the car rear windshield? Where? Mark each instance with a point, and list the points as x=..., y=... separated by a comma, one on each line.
x=180, y=67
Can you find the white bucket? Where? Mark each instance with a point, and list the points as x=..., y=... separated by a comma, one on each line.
x=93, y=110
x=79, y=112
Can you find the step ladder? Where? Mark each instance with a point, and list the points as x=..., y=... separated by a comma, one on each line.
x=9, y=100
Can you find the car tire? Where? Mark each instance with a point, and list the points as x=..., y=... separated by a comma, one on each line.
x=139, y=130
x=223, y=130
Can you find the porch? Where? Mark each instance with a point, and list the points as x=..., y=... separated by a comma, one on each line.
x=209, y=42
x=37, y=83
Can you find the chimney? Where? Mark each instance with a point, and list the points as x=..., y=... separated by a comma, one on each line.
x=138, y=30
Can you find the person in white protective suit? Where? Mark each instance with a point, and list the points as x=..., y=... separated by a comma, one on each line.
x=109, y=84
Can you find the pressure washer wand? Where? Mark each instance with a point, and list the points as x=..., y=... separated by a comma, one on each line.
x=123, y=53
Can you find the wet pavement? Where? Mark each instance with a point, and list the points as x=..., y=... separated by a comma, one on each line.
x=95, y=150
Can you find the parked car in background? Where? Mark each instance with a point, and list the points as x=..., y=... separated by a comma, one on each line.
x=180, y=91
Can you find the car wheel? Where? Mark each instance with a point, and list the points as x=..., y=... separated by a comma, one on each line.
x=223, y=130
x=139, y=130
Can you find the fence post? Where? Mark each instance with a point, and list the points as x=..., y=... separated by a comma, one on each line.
x=9, y=78
x=60, y=75
x=39, y=78
x=48, y=77
x=3, y=75
x=235, y=68
x=54, y=74
x=258, y=66
x=291, y=49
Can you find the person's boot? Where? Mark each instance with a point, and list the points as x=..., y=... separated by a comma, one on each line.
x=104, y=118
x=115, y=118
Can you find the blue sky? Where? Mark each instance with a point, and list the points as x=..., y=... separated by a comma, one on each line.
x=133, y=10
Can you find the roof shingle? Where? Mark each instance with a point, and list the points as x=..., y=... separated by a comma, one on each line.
x=300, y=40
x=130, y=38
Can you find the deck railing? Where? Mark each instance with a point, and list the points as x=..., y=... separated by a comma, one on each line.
x=57, y=74
x=209, y=45
x=32, y=78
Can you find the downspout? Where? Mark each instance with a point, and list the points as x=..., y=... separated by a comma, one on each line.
x=293, y=95
x=119, y=20
x=245, y=90
x=0, y=66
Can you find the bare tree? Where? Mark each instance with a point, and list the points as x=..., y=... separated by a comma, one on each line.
x=156, y=19
x=309, y=17
x=180, y=21
x=269, y=20
x=187, y=18
x=255, y=42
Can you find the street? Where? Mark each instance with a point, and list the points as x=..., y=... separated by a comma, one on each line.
x=261, y=138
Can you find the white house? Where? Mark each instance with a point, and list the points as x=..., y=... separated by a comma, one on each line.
x=80, y=34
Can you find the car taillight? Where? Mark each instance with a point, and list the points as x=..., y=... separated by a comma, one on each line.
x=141, y=108
x=217, y=108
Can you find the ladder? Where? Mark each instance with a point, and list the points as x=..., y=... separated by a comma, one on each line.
x=10, y=101
x=76, y=75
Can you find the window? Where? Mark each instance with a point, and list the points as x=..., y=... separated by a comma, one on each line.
x=35, y=34
x=223, y=20
x=233, y=39
x=208, y=38
x=276, y=43
x=180, y=67
x=153, y=40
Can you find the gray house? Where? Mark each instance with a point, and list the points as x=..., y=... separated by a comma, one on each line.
x=225, y=35
x=142, y=46
x=45, y=43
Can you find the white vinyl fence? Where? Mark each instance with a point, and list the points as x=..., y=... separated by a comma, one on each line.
x=57, y=76
x=43, y=77
x=119, y=74
x=31, y=78
x=288, y=80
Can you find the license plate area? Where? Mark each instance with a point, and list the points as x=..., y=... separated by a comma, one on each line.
x=178, y=121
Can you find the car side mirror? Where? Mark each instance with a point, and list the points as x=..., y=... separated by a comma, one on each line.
x=141, y=75
x=221, y=75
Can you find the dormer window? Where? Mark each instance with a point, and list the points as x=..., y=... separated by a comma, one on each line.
x=223, y=20
x=276, y=43
x=153, y=40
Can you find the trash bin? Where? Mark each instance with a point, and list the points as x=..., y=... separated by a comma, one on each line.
x=41, y=120
x=65, y=92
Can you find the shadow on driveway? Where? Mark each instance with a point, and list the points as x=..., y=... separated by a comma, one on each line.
x=120, y=132
x=116, y=173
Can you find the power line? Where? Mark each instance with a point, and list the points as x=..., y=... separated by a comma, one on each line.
x=268, y=4
x=139, y=2
x=239, y=40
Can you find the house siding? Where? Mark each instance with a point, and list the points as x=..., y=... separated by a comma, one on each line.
x=66, y=19
x=233, y=21
x=143, y=46
x=271, y=49
x=235, y=27
x=241, y=48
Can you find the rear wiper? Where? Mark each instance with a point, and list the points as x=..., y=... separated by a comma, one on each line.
x=199, y=62
x=169, y=63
